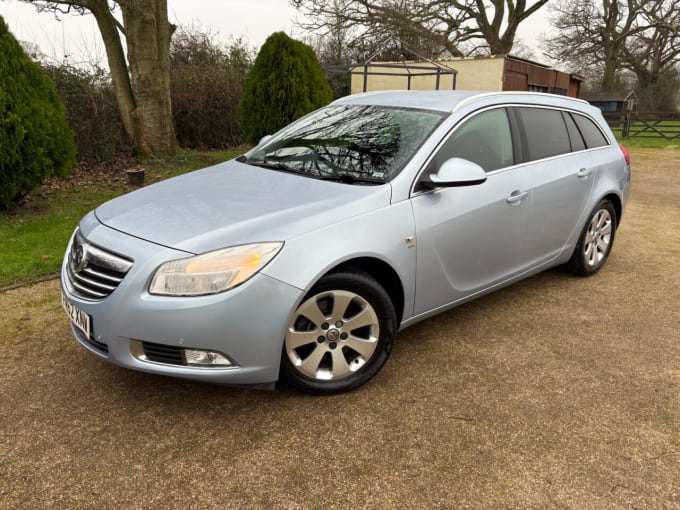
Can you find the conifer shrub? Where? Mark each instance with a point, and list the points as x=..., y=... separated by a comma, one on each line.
x=35, y=141
x=285, y=83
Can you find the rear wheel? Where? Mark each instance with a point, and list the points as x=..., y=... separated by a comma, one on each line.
x=340, y=336
x=596, y=241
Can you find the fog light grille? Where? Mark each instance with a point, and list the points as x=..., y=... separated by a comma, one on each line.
x=179, y=356
x=163, y=353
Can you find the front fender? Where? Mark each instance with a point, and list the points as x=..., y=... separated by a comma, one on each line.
x=381, y=234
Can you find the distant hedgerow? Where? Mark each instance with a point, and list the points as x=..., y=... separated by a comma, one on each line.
x=91, y=110
x=207, y=78
x=285, y=83
x=35, y=141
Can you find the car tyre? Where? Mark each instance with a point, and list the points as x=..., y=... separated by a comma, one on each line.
x=340, y=336
x=596, y=241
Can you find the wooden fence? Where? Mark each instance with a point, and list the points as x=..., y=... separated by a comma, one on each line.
x=645, y=125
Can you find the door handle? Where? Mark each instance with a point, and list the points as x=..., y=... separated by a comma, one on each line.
x=584, y=173
x=516, y=197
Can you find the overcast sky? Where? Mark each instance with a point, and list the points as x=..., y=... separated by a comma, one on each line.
x=78, y=37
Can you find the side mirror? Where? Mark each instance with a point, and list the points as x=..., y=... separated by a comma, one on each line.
x=456, y=172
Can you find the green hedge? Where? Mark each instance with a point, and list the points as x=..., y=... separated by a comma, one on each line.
x=35, y=141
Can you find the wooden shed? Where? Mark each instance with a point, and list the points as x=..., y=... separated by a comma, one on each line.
x=522, y=74
x=612, y=102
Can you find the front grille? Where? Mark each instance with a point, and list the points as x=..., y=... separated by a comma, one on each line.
x=92, y=272
x=163, y=353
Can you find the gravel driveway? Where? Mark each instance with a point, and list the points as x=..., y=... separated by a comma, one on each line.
x=555, y=392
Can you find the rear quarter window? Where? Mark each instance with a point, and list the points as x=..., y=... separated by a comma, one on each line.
x=591, y=133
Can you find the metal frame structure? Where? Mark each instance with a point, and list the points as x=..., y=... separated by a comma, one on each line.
x=413, y=68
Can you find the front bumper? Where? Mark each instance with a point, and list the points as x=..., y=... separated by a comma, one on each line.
x=247, y=324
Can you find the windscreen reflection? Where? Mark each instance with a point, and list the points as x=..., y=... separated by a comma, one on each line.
x=350, y=143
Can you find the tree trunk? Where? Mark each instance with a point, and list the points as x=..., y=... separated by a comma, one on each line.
x=117, y=64
x=148, y=33
x=143, y=91
x=611, y=64
x=501, y=45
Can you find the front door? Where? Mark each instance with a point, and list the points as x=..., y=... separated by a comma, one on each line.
x=469, y=238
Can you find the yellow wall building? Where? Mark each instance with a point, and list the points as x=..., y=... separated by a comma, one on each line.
x=494, y=73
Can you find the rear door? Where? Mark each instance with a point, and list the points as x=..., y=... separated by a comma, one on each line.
x=562, y=176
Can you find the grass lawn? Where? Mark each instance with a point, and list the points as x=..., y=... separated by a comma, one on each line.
x=33, y=236
x=647, y=143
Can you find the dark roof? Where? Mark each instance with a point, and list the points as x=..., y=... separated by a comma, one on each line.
x=527, y=61
x=573, y=76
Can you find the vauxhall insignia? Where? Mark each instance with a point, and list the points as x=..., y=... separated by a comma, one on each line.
x=78, y=258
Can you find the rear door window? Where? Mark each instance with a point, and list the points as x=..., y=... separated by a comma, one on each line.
x=577, y=143
x=545, y=132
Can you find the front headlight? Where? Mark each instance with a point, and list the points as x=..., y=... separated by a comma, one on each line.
x=212, y=272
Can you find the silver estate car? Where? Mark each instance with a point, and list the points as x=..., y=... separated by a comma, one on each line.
x=302, y=259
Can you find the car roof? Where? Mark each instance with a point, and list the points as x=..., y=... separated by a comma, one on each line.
x=450, y=100
x=440, y=100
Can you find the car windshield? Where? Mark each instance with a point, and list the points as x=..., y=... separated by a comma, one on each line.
x=356, y=143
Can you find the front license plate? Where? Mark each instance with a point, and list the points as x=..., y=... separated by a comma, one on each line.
x=80, y=319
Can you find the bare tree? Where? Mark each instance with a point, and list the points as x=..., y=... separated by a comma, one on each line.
x=142, y=89
x=432, y=27
x=591, y=35
x=654, y=54
x=610, y=36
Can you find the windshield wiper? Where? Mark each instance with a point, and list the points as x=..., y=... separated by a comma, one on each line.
x=350, y=179
x=345, y=178
x=274, y=165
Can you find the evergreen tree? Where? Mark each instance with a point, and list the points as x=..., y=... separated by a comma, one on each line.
x=35, y=141
x=285, y=83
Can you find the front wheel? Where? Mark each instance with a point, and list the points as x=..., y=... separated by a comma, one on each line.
x=340, y=336
x=596, y=241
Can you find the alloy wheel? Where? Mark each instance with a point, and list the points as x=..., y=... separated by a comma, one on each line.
x=598, y=238
x=332, y=335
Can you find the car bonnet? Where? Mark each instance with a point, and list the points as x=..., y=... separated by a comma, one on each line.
x=233, y=203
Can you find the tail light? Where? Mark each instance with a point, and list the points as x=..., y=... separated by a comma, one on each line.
x=625, y=154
